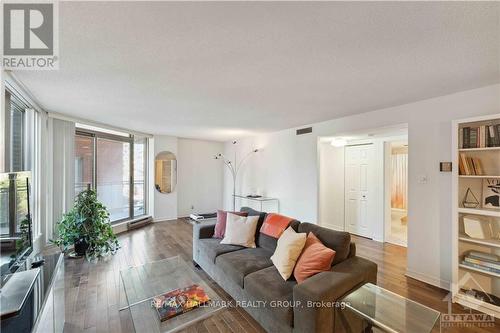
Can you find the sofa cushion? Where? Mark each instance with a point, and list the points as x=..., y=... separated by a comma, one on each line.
x=315, y=258
x=289, y=248
x=338, y=241
x=240, y=230
x=270, y=243
x=275, y=224
x=220, y=226
x=212, y=248
x=262, y=217
x=268, y=285
x=253, y=212
x=237, y=265
x=267, y=242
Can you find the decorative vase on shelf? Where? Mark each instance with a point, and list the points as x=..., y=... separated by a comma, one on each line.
x=470, y=200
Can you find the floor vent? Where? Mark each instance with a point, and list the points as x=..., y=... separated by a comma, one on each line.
x=304, y=130
x=138, y=223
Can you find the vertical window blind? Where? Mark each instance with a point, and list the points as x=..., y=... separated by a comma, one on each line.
x=17, y=109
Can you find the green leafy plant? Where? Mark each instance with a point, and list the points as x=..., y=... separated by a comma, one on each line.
x=87, y=222
x=24, y=241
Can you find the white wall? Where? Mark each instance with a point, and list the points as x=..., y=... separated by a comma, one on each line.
x=287, y=167
x=165, y=204
x=283, y=168
x=199, y=176
x=331, y=186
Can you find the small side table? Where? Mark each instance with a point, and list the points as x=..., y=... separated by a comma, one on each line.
x=385, y=311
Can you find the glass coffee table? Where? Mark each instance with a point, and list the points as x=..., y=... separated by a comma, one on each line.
x=385, y=311
x=142, y=283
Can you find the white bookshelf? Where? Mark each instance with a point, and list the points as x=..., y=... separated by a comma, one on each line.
x=479, y=176
x=465, y=277
x=480, y=271
x=479, y=211
x=488, y=242
x=479, y=149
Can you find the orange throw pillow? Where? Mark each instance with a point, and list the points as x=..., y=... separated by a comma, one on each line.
x=275, y=224
x=315, y=258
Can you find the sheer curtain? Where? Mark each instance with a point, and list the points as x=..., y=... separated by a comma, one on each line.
x=399, y=192
x=61, y=169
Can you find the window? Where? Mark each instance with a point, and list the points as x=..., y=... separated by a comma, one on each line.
x=13, y=202
x=15, y=110
x=84, y=162
x=4, y=202
x=114, y=164
x=113, y=177
x=140, y=145
x=13, y=191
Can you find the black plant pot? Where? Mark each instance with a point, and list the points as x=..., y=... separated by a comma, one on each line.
x=81, y=247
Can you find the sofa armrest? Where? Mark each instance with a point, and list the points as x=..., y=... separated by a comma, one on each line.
x=203, y=230
x=359, y=266
x=352, y=250
x=318, y=294
x=200, y=231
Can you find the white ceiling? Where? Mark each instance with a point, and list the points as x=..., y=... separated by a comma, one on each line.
x=224, y=70
x=388, y=132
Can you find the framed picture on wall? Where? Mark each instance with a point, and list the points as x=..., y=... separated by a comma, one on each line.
x=491, y=193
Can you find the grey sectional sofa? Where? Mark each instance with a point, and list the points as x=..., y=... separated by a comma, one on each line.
x=248, y=275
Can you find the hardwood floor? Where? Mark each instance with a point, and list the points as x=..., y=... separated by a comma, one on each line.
x=93, y=295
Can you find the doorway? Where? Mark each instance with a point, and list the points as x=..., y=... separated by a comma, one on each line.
x=397, y=192
x=358, y=188
x=355, y=183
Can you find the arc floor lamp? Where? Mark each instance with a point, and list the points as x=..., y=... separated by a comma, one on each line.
x=234, y=167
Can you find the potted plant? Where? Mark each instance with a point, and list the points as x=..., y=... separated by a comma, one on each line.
x=87, y=227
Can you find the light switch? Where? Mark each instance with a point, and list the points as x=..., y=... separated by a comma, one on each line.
x=423, y=179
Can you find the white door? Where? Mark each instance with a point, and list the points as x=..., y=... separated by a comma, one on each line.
x=358, y=166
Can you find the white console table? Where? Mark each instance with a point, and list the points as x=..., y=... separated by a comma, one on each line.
x=261, y=201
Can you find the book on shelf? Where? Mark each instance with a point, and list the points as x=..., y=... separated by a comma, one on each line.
x=483, y=263
x=179, y=301
x=480, y=136
x=481, y=260
x=481, y=267
x=483, y=256
x=482, y=296
x=470, y=166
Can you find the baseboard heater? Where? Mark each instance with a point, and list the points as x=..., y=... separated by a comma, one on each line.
x=139, y=223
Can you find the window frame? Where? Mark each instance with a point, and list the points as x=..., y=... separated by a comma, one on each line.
x=145, y=176
x=130, y=139
x=11, y=97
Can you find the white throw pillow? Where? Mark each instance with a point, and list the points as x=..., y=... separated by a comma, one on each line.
x=288, y=250
x=240, y=230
